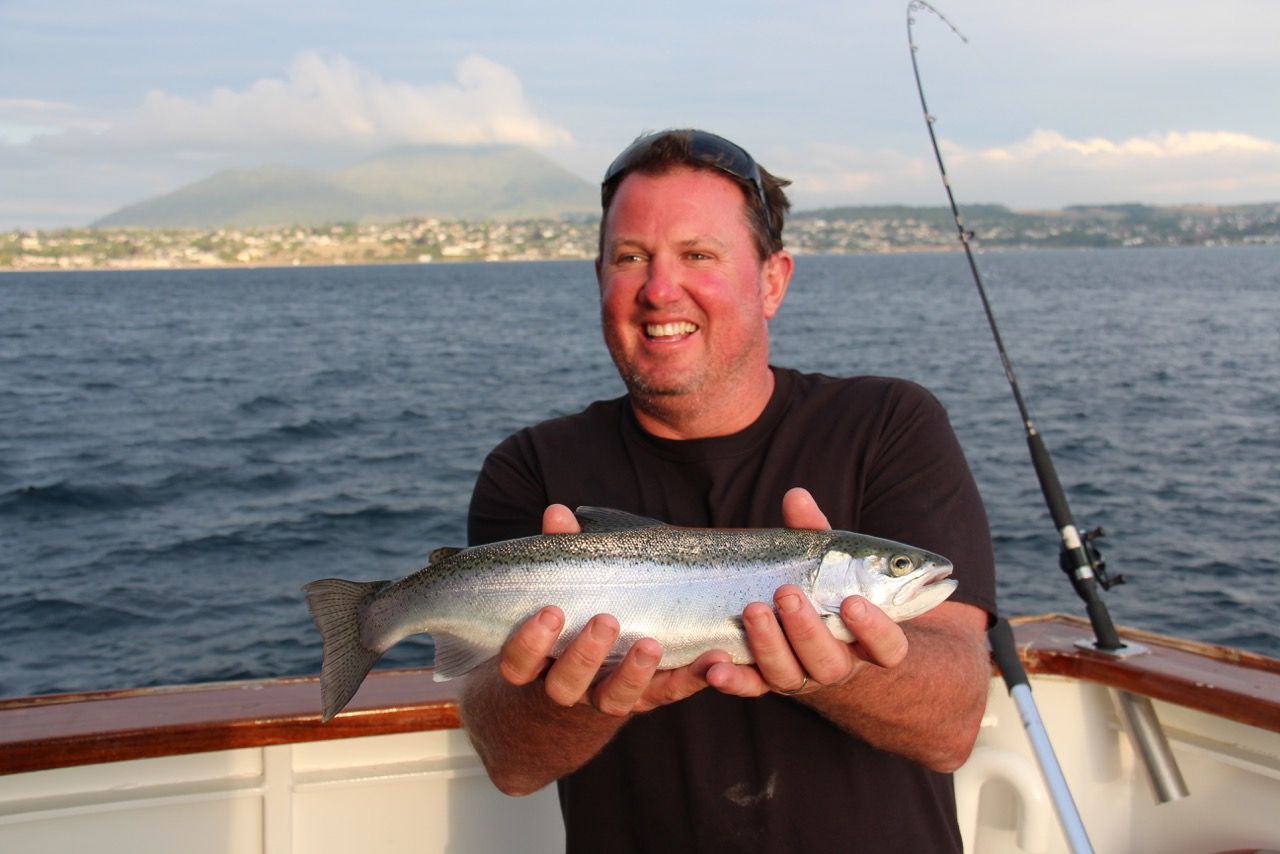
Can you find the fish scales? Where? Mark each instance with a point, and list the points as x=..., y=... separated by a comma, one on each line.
x=684, y=587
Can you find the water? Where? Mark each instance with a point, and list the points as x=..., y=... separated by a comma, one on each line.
x=181, y=451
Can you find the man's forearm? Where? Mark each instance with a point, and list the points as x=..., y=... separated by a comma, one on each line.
x=929, y=707
x=525, y=739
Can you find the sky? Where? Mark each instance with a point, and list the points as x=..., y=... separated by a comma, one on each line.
x=1044, y=105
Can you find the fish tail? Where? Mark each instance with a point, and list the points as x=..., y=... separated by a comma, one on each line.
x=337, y=607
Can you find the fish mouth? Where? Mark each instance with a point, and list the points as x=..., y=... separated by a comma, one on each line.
x=670, y=331
x=927, y=582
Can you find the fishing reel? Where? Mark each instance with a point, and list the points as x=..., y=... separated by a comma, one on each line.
x=1096, y=564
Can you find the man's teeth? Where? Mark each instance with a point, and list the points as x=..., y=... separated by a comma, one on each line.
x=669, y=330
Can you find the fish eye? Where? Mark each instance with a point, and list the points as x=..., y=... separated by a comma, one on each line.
x=901, y=565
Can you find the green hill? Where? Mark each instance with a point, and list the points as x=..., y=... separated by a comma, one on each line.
x=489, y=182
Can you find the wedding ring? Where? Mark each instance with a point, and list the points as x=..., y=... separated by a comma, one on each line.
x=795, y=691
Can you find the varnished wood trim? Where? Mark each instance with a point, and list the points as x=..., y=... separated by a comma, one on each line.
x=1229, y=683
x=81, y=729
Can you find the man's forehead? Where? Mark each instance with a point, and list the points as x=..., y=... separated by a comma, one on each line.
x=693, y=241
x=717, y=193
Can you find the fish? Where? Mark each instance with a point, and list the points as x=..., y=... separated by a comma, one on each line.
x=684, y=587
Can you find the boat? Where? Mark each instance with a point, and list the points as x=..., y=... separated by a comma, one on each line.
x=248, y=766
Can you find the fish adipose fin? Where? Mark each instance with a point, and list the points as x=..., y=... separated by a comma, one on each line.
x=601, y=520
x=442, y=553
x=456, y=656
x=336, y=606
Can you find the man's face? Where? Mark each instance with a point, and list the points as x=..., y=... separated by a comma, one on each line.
x=685, y=299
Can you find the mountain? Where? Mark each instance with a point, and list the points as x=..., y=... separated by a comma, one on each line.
x=484, y=182
x=938, y=217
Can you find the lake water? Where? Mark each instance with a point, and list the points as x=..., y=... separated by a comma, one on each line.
x=181, y=451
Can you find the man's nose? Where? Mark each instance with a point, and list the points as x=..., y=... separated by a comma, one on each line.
x=662, y=285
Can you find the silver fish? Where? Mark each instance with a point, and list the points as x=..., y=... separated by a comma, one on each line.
x=684, y=587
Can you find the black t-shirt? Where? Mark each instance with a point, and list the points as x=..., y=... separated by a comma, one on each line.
x=719, y=773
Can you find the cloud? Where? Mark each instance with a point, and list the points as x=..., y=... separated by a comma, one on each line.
x=23, y=119
x=1048, y=144
x=1050, y=169
x=1172, y=167
x=335, y=102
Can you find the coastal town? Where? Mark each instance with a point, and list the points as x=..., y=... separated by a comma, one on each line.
x=429, y=240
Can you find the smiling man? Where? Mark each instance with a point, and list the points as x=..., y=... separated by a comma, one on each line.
x=821, y=744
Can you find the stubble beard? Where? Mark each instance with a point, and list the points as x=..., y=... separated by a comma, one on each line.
x=666, y=396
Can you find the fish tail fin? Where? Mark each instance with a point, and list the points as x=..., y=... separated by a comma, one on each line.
x=337, y=607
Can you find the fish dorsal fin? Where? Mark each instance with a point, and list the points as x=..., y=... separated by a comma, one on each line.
x=442, y=553
x=602, y=520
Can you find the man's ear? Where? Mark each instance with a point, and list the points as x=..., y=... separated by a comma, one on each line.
x=778, y=268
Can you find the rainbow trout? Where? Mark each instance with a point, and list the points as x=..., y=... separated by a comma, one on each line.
x=684, y=587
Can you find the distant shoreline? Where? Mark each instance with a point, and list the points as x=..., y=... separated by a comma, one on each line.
x=836, y=231
x=919, y=250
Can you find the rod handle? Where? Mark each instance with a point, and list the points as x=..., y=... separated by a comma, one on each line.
x=1005, y=651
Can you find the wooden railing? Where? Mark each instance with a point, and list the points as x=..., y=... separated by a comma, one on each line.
x=81, y=729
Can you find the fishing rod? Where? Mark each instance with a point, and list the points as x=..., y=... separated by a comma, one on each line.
x=1078, y=557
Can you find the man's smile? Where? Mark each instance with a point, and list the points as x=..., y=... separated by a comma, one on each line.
x=669, y=331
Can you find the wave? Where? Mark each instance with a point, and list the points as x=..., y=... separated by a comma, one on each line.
x=64, y=497
x=30, y=502
x=247, y=478
x=263, y=403
x=312, y=428
x=20, y=614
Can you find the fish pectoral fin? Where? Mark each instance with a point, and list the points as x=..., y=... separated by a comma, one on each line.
x=602, y=520
x=836, y=626
x=456, y=656
x=442, y=553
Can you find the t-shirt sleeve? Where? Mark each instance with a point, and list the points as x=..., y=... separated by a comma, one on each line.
x=509, y=495
x=919, y=490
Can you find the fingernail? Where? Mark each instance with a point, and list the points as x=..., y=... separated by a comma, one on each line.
x=758, y=616
x=550, y=620
x=857, y=609
x=602, y=630
x=789, y=604
x=644, y=658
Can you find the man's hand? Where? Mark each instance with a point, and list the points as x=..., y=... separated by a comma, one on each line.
x=795, y=652
x=578, y=676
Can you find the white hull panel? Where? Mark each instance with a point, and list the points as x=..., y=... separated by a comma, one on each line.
x=416, y=792
x=1232, y=771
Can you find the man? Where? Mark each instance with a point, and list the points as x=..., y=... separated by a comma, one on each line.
x=820, y=745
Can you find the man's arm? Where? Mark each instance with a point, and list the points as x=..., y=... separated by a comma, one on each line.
x=929, y=707
x=533, y=719
x=917, y=689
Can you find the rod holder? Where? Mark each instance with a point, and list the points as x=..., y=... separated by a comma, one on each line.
x=1151, y=746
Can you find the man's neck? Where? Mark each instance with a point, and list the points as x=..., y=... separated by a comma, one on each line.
x=700, y=417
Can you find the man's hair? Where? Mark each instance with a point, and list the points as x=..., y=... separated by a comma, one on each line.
x=673, y=149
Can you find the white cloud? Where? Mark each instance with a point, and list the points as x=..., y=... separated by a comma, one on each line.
x=1172, y=167
x=1050, y=169
x=23, y=119
x=335, y=102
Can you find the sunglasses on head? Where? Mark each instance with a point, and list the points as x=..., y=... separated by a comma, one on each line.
x=706, y=148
